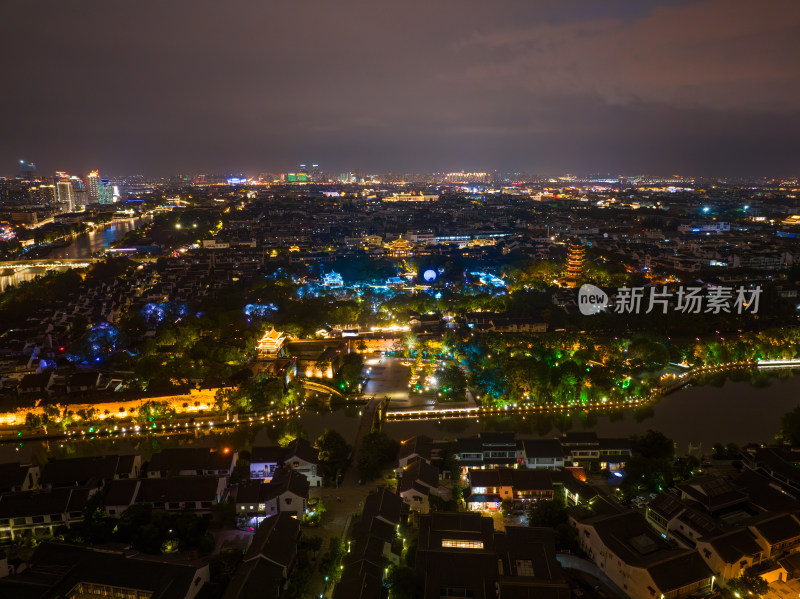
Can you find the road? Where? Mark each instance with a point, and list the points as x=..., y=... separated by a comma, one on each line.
x=350, y=477
x=345, y=501
x=388, y=377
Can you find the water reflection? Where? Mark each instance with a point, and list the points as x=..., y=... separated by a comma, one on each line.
x=87, y=244
x=83, y=246
x=20, y=276
x=730, y=411
x=725, y=410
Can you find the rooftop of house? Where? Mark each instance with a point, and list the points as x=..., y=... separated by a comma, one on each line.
x=679, y=571
x=519, y=479
x=178, y=489
x=776, y=528
x=284, y=481
x=418, y=471
x=735, y=545
x=384, y=504
x=255, y=579
x=275, y=540
x=121, y=492
x=360, y=580
x=629, y=537
x=82, y=565
x=299, y=448
x=419, y=445
x=774, y=460
x=372, y=527
x=713, y=492
x=37, y=503
x=12, y=474
x=763, y=494
x=542, y=448
x=71, y=471
x=528, y=552
x=175, y=459
x=437, y=527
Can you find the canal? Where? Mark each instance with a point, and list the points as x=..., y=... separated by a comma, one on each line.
x=84, y=245
x=700, y=415
x=728, y=411
x=88, y=244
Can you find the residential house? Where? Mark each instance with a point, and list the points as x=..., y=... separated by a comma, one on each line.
x=778, y=534
x=38, y=383
x=256, y=500
x=191, y=461
x=196, y=493
x=637, y=559
x=39, y=513
x=269, y=560
x=91, y=471
x=682, y=521
x=587, y=450
x=83, y=382
x=72, y=572
x=299, y=455
x=18, y=477
x=489, y=488
x=714, y=494
x=461, y=555
x=418, y=482
x=730, y=553
x=373, y=543
x=780, y=465
x=416, y=448
x=487, y=450
x=540, y=453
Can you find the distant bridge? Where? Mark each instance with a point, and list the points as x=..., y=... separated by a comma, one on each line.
x=50, y=263
x=319, y=387
x=779, y=363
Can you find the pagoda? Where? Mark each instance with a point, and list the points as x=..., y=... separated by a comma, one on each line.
x=575, y=255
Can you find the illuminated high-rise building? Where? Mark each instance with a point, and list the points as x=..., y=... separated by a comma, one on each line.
x=27, y=170
x=79, y=192
x=66, y=194
x=575, y=255
x=106, y=192
x=43, y=194
x=93, y=187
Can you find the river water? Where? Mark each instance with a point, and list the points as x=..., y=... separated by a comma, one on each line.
x=695, y=418
x=87, y=244
x=20, y=276
x=698, y=416
x=83, y=246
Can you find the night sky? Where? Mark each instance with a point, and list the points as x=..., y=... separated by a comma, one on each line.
x=542, y=86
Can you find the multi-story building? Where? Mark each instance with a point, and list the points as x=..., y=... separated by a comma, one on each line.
x=66, y=195
x=461, y=555
x=299, y=455
x=489, y=488
x=93, y=187
x=256, y=500
x=540, y=453
x=637, y=559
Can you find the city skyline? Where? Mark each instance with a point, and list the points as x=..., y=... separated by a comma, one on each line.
x=689, y=87
x=33, y=173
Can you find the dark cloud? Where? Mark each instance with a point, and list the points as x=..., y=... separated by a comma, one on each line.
x=193, y=85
